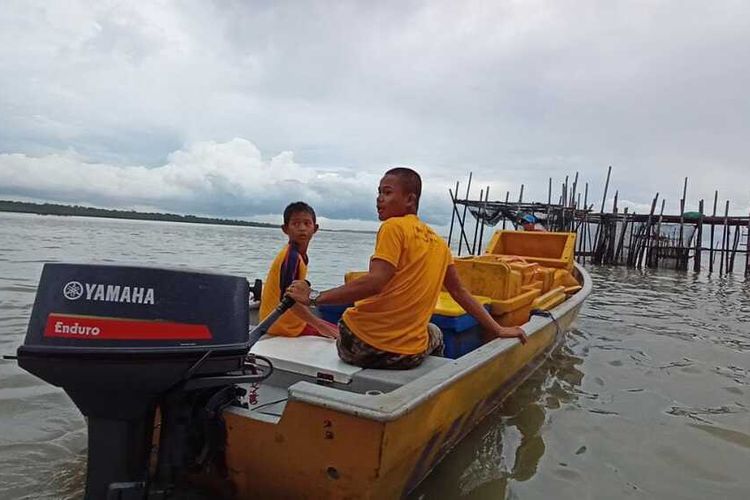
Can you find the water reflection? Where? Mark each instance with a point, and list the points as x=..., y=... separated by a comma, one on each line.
x=508, y=445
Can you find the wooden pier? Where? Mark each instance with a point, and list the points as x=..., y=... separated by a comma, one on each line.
x=711, y=240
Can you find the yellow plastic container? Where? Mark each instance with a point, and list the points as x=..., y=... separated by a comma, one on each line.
x=563, y=277
x=548, y=249
x=527, y=270
x=546, y=277
x=514, y=311
x=551, y=299
x=446, y=306
x=489, y=279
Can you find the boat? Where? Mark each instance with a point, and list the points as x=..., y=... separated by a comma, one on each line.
x=287, y=419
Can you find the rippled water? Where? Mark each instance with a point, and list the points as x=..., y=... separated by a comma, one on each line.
x=647, y=398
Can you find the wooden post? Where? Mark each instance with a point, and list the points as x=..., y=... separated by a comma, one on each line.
x=463, y=219
x=460, y=222
x=606, y=188
x=679, y=263
x=520, y=196
x=549, y=205
x=507, y=195
x=476, y=226
x=453, y=216
x=633, y=243
x=484, y=212
x=573, y=192
x=711, y=245
x=653, y=260
x=613, y=232
x=586, y=227
x=730, y=266
x=698, y=240
x=747, y=248
x=724, y=239
x=648, y=235
x=621, y=242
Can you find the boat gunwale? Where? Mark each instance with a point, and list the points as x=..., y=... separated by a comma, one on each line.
x=395, y=404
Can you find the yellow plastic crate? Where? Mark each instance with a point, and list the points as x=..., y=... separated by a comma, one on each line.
x=563, y=277
x=446, y=306
x=548, y=249
x=551, y=299
x=489, y=279
x=514, y=311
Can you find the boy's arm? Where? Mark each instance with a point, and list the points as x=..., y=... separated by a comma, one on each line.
x=305, y=314
x=460, y=294
x=372, y=283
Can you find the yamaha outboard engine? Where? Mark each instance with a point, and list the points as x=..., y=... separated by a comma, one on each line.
x=122, y=341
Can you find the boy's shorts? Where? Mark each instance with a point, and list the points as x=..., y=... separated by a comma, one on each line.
x=356, y=352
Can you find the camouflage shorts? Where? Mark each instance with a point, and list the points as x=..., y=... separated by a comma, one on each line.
x=356, y=352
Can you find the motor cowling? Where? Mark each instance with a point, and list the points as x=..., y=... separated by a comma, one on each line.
x=121, y=340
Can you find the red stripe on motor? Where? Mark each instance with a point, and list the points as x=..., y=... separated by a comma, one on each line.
x=84, y=327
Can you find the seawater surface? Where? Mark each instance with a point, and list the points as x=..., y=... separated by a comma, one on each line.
x=648, y=397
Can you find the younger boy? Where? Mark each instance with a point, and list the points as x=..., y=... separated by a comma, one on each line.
x=291, y=264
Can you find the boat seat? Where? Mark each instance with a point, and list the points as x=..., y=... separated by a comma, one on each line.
x=387, y=380
x=308, y=355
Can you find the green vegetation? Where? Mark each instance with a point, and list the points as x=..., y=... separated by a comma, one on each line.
x=55, y=209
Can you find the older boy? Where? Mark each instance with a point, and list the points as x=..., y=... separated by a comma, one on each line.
x=291, y=264
x=388, y=327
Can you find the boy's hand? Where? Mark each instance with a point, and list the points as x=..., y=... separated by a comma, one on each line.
x=327, y=329
x=299, y=290
x=511, y=333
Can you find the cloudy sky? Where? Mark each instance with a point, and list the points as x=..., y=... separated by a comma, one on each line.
x=236, y=108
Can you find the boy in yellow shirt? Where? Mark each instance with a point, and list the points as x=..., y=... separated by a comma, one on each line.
x=291, y=264
x=388, y=327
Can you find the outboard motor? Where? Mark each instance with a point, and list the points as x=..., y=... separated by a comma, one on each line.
x=122, y=341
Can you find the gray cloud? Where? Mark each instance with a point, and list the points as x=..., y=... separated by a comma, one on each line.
x=514, y=91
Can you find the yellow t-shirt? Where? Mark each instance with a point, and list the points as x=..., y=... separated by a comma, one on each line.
x=288, y=265
x=396, y=319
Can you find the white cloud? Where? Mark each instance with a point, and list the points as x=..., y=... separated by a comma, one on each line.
x=229, y=178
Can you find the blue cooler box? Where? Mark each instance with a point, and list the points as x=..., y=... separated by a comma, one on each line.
x=461, y=332
x=332, y=314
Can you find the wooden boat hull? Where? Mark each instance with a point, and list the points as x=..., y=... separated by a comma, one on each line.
x=337, y=444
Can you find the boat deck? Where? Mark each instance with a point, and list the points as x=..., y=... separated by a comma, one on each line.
x=314, y=359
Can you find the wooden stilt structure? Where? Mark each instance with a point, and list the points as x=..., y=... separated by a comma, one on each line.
x=618, y=237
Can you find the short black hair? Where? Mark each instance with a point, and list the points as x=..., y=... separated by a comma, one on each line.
x=296, y=207
x=410, y=180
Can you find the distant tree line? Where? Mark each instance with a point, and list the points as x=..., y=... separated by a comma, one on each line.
x=55, y=209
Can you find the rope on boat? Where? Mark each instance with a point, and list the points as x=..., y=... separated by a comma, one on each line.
x=547, y=314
